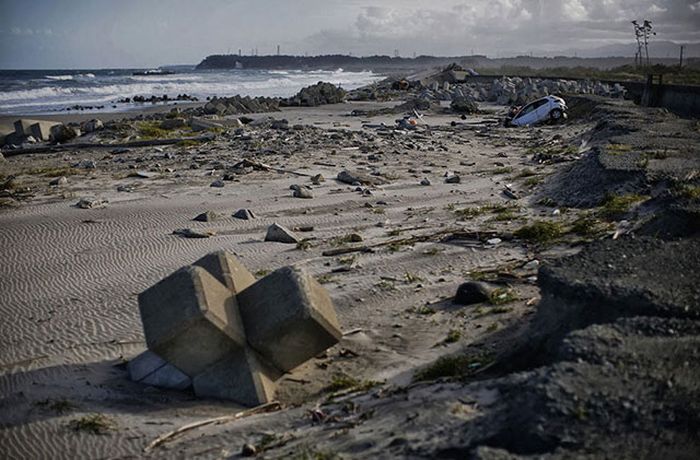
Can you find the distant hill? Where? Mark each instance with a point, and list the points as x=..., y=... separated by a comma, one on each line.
x=387, y=64
x=657, y=49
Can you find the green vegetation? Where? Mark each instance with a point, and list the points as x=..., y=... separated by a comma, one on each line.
x=685, y=190
x=423, y=310
x=262, y=272
x=502, y=296
x=304, y=244
x=504, y=170
x=349, y=238
x=618, y=149
x=526, y=173
x=411, y=278
x=502, y=212
x=94, y=423
x=59, y=405
x=672, y=75
x=152, y=130
x=453, y=336
x=325, y=279
x=346, y=382
x=452, y=366
x=616, y=205
x=539, y=232
x=588, y=226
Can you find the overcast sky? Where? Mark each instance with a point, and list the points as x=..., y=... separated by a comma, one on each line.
x=148, y=33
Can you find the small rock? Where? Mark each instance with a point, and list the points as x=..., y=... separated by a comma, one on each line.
x=532, y=265
x=93, y=125
x=190, y=233
x=217, y=183
x=454, y=179
x=317, y=179
x=249, y=450
x=59, y=181
x=473, y=292
x=119, y=150
x=86, y=164
x=206, y=216
x=125, y=188
x=280, y=234
x=494, y=241
x=91, y=203
x=302, y=193
x=245, y=214
x=425, y=181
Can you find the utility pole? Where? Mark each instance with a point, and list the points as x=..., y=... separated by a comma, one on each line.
x=680, y=63
x=278, y=50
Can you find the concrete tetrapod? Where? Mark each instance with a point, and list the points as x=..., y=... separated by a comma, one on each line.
x=289, y=317
x=191, y=320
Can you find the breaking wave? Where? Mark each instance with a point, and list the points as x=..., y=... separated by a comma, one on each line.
x=47, y=93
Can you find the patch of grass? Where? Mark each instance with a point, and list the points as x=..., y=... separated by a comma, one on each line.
x=386, y=285
x=345, y=239
x=304, y=244
x=616, y=205
x=526, y=173
x=546, y=201
x=152, y=130
x=688, y=191
x=262, y=272
x=325, y=279
x=411, y=278
x=347, y=260
x=492, y=328
x=345, y=382
x=532, y=181
x=502, y=296
x=377, y=210
x=453, y=336
x=587, y=226
x=618, y=149
x=59, y=405
x=539, y=232
x=505, y=170
x=94, y=423
x=423, y=310
x=432, y=251
x=451, y=366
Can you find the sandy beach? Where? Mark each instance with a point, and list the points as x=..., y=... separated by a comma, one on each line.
x=69, y=289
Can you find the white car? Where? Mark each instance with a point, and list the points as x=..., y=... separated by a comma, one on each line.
x=549, y=108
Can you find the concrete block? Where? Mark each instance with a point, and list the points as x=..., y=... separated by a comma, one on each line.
x=191, y=320
x=227, y=270
x=288, y=317
x=23, y=127
x=242, y=377
x=150, y=369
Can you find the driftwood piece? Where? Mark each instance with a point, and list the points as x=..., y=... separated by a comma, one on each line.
x=93, y=145
x=269, y=407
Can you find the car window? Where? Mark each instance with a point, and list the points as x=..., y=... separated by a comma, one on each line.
x=527, y=109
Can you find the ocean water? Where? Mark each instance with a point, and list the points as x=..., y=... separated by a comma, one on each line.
x=56, y=91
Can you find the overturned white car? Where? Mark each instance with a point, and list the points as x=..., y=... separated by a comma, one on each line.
x=548, y=108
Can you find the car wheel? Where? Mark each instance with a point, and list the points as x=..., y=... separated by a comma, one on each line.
x=556, y=114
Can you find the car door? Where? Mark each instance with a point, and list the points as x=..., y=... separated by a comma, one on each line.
x=543, y=109
x=527, y=115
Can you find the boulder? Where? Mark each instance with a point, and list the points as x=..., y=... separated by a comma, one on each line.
x=473, y=292
x=62, y=133
x=92, y=125
x=280, y=234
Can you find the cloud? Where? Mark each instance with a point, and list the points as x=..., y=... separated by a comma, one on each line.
x=507, y=26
